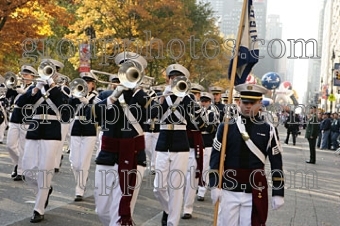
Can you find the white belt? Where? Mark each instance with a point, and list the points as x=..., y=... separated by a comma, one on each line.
x=205, y=132
x=45, y=117
x=173, y=127
x=82, y=117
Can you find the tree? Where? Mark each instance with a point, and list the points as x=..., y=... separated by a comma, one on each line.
x=23, y=23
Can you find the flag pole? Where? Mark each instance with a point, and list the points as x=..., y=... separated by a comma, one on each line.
x=226, y=119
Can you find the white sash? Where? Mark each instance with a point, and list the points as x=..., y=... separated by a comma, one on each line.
x=256, y=151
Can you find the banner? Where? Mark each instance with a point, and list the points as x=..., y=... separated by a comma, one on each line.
x=84, y=58
x=249, y=52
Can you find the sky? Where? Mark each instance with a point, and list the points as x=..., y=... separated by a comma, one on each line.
x=300, y=19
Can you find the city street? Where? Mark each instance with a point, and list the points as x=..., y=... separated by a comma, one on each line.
x=311, y=195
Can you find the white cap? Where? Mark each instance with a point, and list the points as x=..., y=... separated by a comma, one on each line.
x=27, y=69
x=177, y=68
x=251, y=91
x=195, y=87
x=124, y=56
x=87, y=76
x=56, y=63
x=206, y=95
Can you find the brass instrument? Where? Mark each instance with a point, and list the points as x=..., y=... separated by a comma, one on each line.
x=130, y=74
x=12, y=81
x=180, y=86
x=78, y=88
x=146, y=82
x=62, y=79
x=95, y=73
x=46, y=70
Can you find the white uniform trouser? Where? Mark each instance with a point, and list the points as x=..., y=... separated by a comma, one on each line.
x=169, y=181
x=150, y=146
x=107, y=193
x=3, y=126
x=205, y=175
x=15, y=144
x=65, y=127
x=191, y=183
x=38, y=165
x=99, y=142
x=80, y=158
x=234, y=209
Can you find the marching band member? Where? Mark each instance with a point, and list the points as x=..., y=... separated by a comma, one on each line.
x=43, y=135
x=83, y=136
x=3, y=112
x=65, y=115
x=213, y=120
x=17, y=127
x=151, y=133
x=195, y=162
x=172, y=148
x=243, y=197
x=116, y=174
x=216, y=91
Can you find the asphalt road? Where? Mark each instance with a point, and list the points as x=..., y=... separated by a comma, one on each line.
x=311, y=195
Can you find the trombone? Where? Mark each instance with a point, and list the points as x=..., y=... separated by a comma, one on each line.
x=180, y=86
x=95, y=72
x=129, y=74
x=78, y=87
x=12, y=81
x=46, y=70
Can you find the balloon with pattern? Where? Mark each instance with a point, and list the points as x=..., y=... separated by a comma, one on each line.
x=271, y=80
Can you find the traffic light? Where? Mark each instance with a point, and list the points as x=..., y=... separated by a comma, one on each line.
x=337, y=74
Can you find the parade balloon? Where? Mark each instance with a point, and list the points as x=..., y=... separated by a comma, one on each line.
x=286, y=85
x=251, y=79
x=271, y=80
x=267, y=101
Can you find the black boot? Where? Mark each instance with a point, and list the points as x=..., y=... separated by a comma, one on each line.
x=15, y=172
x=164, y=219
x=37, y=217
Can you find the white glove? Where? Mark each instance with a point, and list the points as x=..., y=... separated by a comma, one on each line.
x=40, y=84
x=117, y=92
x=277, y=202
x=84, y=100
x=50, y=81
x=20, y=90
x=167, y=90
x=216, y=194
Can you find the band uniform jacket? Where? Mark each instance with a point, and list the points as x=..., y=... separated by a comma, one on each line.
x=83, y=125
x=176, y=140
x=238, y=156
x=16, y=103
x=38, y=128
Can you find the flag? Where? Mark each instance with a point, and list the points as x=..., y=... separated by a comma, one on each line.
x=248, y=52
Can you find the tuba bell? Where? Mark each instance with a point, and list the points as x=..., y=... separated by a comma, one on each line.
x=130, y=74
x=180, y=86
x=78, y=88
x=46, y=69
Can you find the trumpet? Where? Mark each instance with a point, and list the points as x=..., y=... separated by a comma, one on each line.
x=13, y=81
x=46, y=69
x=79, y=88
